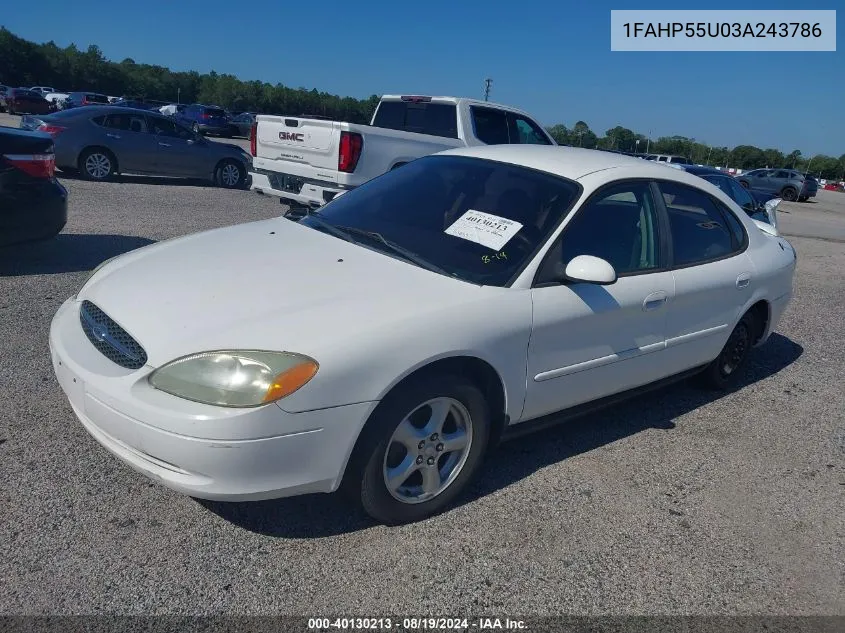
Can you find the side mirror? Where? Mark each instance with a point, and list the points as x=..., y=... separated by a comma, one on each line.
x=590, y=270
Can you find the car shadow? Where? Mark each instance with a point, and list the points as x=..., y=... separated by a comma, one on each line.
x=127, y=179
x=315, y=516
x=65, y=253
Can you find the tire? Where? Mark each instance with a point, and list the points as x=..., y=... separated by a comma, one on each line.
x=428, y=462
x=11, y=110
x=196, y=128
x=722, y=372
x=230, y=174
x=789, y=194
x=803, y=199
x=745, y=184
x=96, y=163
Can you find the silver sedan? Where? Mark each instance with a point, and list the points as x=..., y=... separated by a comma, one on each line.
x=99, y=142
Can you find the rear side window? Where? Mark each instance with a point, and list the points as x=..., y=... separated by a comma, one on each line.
x=700, y=233
x=435, y=119
x=126, y=122
x=491, y=126
x=215, y=112
x=783, y=174
x=95, y=98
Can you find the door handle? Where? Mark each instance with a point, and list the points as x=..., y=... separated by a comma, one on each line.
x=113, y=135
x=164, y=144
x=743, y=280
x=654, y=300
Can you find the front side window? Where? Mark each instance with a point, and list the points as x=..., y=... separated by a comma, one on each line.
x=477, y=220
x=699, y=231
x=526, y=132
x=618, y=224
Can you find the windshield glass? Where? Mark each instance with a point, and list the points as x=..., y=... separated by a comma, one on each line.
x=473, y=219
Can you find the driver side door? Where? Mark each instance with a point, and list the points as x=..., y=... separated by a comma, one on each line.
x=589, y=340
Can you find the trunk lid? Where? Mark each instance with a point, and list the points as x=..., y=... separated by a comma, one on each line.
x=308, y=141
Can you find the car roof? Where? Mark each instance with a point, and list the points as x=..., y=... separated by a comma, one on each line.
x=569, y=162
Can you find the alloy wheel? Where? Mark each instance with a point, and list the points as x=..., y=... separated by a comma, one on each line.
x=98, y=165
x=428, y=450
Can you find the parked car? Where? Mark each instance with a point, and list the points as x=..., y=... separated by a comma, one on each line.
x=79, y=99
x=3, y=92
x=308, y=161
x=463, y=298
x=172, y=108
x=204, y=119
x=754, y=203
x=33, y=204
x=57, y=99
x=243, y=122
x=668, y=158
x=102, y=141
x=43, y=90
x=789, y=184
x=20, y=100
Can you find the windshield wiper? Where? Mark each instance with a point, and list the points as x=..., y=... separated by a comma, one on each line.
x=330, y=228
x=411, y=256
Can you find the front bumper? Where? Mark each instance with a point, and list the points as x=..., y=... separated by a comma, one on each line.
x=199, y=450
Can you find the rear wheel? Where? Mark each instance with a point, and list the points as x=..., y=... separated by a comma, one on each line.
x=230, y=175
x=420, y=450
x=723, y=371
x=97, y=164
x=790, y=194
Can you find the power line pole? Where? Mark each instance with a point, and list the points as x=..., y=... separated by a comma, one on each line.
x=487, y=83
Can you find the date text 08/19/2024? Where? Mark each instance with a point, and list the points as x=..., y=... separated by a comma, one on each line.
x=416, y=624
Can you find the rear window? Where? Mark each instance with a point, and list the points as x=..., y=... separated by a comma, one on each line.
x=435, y=119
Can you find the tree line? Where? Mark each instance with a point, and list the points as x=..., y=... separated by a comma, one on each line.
x=25, y=63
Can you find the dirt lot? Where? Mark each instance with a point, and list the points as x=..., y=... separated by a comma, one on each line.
x=678, y=502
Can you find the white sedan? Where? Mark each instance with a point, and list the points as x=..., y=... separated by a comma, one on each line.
x=385, y=343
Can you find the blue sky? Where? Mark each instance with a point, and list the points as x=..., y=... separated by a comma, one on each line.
x=549, y=57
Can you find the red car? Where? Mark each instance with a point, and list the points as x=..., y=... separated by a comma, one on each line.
x=24, y=101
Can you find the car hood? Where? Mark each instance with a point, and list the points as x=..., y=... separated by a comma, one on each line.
x=273, y=284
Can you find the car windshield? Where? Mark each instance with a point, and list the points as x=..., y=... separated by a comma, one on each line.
x=477, y=220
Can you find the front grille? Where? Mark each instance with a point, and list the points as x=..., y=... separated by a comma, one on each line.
x=109, y=338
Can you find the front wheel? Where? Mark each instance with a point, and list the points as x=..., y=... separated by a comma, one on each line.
x=723, y=371
x=230, y=175
x=423, y=446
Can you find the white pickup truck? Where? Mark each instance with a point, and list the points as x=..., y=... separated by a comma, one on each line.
x=308, y=161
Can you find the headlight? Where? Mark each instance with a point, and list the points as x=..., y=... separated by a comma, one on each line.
x=235, y=378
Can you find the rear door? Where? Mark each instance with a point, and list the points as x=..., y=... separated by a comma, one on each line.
x=127, y=136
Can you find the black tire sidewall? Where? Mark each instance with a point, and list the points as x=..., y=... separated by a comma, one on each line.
x=366, y=478
x=789, y=194
x=714, y=375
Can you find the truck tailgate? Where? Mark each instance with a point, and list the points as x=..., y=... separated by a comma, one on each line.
x=310, y=142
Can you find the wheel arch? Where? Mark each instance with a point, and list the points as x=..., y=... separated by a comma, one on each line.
x=762, y=311
x=479, y=371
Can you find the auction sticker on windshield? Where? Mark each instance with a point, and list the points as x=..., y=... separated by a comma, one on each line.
x=486, y=229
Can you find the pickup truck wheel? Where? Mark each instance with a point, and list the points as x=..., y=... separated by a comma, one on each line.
x=723, y=371
x=230, y=174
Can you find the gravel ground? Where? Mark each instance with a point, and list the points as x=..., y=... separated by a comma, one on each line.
x=680, y=502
